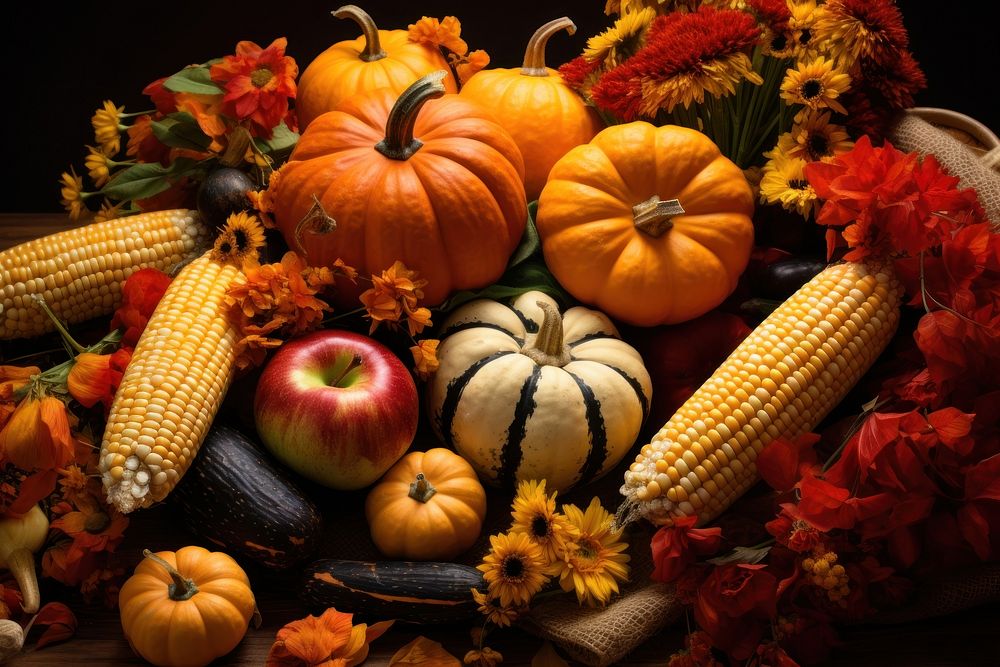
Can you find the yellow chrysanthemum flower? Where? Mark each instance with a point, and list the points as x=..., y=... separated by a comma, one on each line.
x=98, y=166
x=802, y=29
x=107, y=128
x=784, y=183
x=621, y=40
x=240, y=239
x=815, y=84
x=717, y=77
x=852, y=31
x=535, y=515
x=813, y=137
x=72, y=194
x=514, y=569
x=495, y=612
x=596, y=562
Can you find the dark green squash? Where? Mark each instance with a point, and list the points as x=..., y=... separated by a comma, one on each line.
x=783, y=278
x=405, y=591
x=235, y=497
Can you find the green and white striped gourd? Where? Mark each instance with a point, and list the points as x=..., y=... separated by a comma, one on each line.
x=524, y=393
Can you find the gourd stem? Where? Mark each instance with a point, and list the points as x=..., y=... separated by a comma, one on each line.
x=654, y=217
x=422, y=490
x=548, y=348
x=534, y=55
x=373, y=46
x=182, y=588
x=316, y=221
x=399, y=143
x=21, y=563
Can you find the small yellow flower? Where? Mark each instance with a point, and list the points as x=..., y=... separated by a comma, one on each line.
x=535, y=515
x=98, y=166
x=813, y=137
x=815, y=84
x=595, y=563
x=514, y=569
x=72, y=193
x=784, y=183
x=802, y=28
x=495, y=612
x=107, y=127
x=621, y=40
x=240, y=239
x=425, y=360
x=109, y=211
x=484, y=657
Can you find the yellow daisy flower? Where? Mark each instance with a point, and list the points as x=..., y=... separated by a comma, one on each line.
x=72, y=194
x=813, y=137
x=107, y=128
x=495, y=612
x=815, y=84
x=240, y=239
x=535, y=515
x=802, y=28
x=98, y=166
x=595, y=564
x=621, y=40
x=784, y=183
x=514, y=569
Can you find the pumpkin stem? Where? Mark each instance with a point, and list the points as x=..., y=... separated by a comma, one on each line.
x=373, y=47
x=399, y=143
x=655, y=217
x=182, y=588
x=534, y=55
x=317, y=221
x=421, y=490
x=548, y=348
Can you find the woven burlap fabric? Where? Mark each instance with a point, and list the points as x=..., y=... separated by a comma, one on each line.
x=912, y=133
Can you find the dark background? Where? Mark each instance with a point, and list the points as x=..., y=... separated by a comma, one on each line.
x=59, y=61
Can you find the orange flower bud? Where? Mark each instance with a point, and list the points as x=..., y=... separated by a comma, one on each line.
x=95, y=377
x=37, y=435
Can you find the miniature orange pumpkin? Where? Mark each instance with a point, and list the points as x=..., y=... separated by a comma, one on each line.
x=544, y=115
x=650, y=224
x=185, y=609
x=434, y=183
x=376, y=59
x=429, y=506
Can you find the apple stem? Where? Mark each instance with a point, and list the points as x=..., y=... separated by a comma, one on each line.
x=421, y=490
x=355, y=362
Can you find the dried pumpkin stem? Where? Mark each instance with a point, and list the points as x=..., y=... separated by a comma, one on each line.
x=534, y=55
x=373, y=46
x=548, y=348
x=399, y=143
x=316, y=221
x=182, y=588
x=654, y=217
x=422, y=490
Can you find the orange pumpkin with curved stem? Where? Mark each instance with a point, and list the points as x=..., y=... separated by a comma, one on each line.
x=186, y=608
x=434, y=183
x=650, y=224
x=544, y=115
x=376, y=59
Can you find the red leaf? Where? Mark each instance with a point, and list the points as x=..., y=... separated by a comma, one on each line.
x=60, y=621
x=878, y=431
x=975, y=529
x=982, y=481
x=952, y=426
x=782, y=462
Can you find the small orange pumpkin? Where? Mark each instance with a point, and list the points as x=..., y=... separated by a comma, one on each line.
x=429, y=506
x=185, y=609
x=650, y=224
x=376, y=59
x=434, y=183
x=544, y=115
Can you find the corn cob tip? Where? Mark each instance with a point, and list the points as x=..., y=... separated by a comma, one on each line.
x=128, y=484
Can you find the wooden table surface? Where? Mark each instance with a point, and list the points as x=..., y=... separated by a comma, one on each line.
x=964, y=639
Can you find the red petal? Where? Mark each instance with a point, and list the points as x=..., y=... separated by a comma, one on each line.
x=61, y=624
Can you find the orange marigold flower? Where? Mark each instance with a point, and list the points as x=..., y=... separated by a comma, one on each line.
x=140, y=293
x=444, y=33
x=340, y=268
x=72, y=481
x=208, y=111
x=394, y=295
x=37, y=435
x=91, y=524
x=330, y=639
x=258, y=84
x=263, y=202
x=143, y=144
x=13, y=378
x=467, y=65
x=94, y=378
x=425, y=361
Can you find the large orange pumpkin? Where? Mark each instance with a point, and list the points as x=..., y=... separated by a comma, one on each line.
x=544, y=115
x=434, y=183
x=376, y=59
x=650, y=224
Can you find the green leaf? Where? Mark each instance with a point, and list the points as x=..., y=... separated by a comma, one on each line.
x=529, y=244
x=282, y=139
x=181, y=130
x=193, y=79
x=146, y=179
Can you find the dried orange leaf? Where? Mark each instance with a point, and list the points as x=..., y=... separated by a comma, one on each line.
x=424, y=652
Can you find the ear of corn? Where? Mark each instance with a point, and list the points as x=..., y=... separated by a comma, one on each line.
x=782, y=380
x=79, y=272
x=171, y=390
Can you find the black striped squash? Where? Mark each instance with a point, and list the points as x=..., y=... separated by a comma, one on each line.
x=524, y=393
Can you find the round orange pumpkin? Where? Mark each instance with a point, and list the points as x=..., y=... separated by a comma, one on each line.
x=544, y=115
x=429, y=506
x=376, y=59
x=650, y=224
x=434, y=183
x=186, y=609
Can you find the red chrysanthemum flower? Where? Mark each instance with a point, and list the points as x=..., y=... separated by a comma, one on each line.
x=258, y=84
x=871, y=29
x=880, y=90
x=773, y=14
x=579, y=73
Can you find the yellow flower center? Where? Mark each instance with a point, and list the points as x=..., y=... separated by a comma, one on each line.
x=261, y=76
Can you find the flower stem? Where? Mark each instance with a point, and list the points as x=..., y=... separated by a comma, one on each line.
x=60, y=327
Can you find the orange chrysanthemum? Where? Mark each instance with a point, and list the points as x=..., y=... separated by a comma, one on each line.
x=329, y=640
x=208, y=111
x=95, y=378
x=425, y=360
x=395, y=295
x=258, y=84
x=445, y=33
x=37, y=435
x=467, y=65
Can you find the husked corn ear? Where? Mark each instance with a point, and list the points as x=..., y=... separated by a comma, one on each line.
x=172, y=388
x=79, y=272
x=781, y=381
